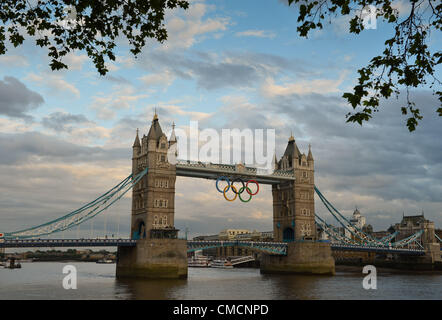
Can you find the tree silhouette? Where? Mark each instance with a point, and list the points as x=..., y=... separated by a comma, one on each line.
x=406, y=62
x=63, y=26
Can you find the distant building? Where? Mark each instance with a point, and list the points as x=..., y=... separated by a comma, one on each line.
x=207, y=238
x=359, y=222
x=412, y=224
x=230, y=234
x=357, y=219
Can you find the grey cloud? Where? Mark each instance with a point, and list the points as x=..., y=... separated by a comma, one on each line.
x=62, y=121
x=117, y=79
x=231, y=69
x=30, y=196
x=24, y=147
x=16, y=100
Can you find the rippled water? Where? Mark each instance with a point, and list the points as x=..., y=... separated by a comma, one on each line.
x=43, y=280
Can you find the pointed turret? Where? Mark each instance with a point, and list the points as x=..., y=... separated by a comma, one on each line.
x=310, y=155
x=136, y=150
x=155, y=131
x=275, y=161
x=292, y=153
x=172, y=139
x=137, y=143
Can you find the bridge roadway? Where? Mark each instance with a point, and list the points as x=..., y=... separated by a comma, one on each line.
x=270, y=247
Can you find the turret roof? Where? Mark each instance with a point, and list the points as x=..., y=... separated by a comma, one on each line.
x=137, y=141
x=310, y=155
x=292, y=151
x=155, y=131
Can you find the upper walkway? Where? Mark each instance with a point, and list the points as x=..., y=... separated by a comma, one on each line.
x=196, y=169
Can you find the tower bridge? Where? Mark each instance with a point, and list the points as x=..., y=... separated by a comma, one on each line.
x=154, y=250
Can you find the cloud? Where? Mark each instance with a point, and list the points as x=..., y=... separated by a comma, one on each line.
x=16, y=100
x=74, y=61
x=269, y=88
x=256, y=33
x=34, y=147
x=225, y=70
x=54, y=82
x=184, y=29
x=107, y=104
x=163, y=78
x=13, y=61
x=63, y=121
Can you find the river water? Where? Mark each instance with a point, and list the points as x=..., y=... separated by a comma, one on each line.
x=43, y=280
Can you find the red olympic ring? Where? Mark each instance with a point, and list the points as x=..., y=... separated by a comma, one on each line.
x=257, y=187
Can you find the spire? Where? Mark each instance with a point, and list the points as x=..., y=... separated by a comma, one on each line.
x=137, y=141
x=310, y=155
x=172, y=135
x=155, y=131
x=291, y=136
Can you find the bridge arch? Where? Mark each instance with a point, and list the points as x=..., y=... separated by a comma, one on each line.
x=266, y=247
x=140, y=230
x=288, y=235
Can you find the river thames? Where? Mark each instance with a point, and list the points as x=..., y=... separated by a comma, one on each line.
x=43, y=280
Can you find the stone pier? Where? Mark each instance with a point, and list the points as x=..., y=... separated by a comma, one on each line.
x=302, y=258
x=153, y=258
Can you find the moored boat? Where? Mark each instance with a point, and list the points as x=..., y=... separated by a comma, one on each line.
x=198, y=261
x=105, y=261
x=224, y=264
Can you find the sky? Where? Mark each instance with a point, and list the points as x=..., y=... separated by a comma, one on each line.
x=66, y=136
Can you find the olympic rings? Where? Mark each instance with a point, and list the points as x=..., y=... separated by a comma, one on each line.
x=225, y=179
x=240, y=180
x=245, y=186
x=257, y=187
x=234, y=191
x=241, y=190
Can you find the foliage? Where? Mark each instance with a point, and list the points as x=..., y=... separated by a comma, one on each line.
x=406, y=62
x=95, y=26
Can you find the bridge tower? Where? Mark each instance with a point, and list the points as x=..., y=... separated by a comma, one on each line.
x=293, y=202
x=158, y=253
x=153, y=198
x=294, y=219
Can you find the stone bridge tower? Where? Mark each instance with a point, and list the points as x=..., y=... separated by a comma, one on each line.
x=153, y=197
x=294, y=219
x=158, y=252
x=293, y=202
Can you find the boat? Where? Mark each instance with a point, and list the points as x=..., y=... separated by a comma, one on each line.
x=224, y=264
x=198, y=261
x=12, y=264
x=105, y=261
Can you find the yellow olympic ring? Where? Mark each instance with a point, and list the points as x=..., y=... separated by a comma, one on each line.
x=234, y=191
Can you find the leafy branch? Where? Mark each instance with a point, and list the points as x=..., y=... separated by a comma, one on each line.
x=406, y=62
x=95, y=27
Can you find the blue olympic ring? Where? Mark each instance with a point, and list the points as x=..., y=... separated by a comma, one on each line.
x=224, y=179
